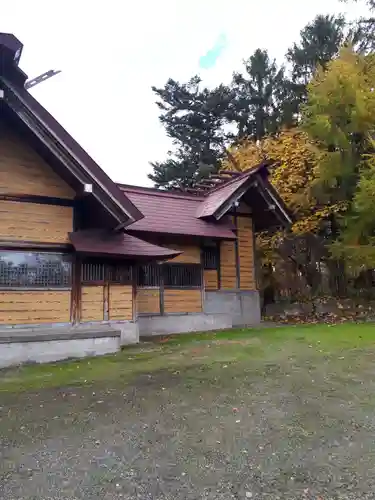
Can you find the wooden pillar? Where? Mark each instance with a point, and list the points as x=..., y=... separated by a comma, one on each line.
x=134, y=275
x=76, y=293
x=218, y=265
x=161, y=290
x=236, y=249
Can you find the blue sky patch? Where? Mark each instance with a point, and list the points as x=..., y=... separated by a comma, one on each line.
x=210, y=58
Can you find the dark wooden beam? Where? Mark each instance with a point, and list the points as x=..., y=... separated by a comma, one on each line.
x=41, y=200
x=237, y=253
x=32, y=245
x=75, y=299
x=161, y=291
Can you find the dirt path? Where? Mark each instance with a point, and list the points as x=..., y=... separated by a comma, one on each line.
x=283, y=427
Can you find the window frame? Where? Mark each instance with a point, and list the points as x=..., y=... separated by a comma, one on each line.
x=161, y=278
x=180, y=268
x=215, y=255
x=105, y=273
x=65, y=277
x=156, y=275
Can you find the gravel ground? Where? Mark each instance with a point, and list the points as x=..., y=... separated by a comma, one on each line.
x=298, y=426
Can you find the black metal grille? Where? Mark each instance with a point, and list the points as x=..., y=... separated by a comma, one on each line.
x=93, y=272
x=148, y=275
x=120, y=274
x=211, y=257
x=182, y=275
x=34, y=270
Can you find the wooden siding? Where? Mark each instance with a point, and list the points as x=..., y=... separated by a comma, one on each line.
x=120, y=302
x=23, y=171
x=92, y=303
x=210, y=279
x=34, y=307
x=191, y=254
x=35, y=222
x=148, y=301
x=228, y=265
x=182, y=301
x=246, y=253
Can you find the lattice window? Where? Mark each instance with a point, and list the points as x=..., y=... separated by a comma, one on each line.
x=120, y=274
x=148, y=275
x=211, y=257
x=93, y=272
x=34, y=270
x=182, y=275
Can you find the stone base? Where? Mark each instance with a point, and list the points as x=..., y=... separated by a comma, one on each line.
x=47, y=343
x=182, y=323
x=17, y=353
x=242, y=306
x=129, y=331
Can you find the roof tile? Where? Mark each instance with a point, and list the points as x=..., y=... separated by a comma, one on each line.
x=174, y=214
x=103, y=242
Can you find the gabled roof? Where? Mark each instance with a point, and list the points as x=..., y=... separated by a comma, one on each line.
x=140, y=210
x=220, y=196
x=166, y=212
x=53, y=136
x=204, y=214
x=117, y=244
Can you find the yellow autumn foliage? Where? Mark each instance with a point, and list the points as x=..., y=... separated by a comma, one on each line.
x=296, y=161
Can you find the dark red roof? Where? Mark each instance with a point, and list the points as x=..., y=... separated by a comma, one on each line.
x=103, y=242
x=218, y=197
x=173, y=213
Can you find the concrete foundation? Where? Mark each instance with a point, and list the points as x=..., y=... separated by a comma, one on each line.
x=182, y=323
x=129, y=331
x=242, y=306
x=18, y=353
x=47, y=343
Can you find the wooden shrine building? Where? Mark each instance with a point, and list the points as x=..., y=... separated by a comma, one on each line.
x=87, y=264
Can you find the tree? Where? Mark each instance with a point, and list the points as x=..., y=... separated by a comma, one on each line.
x=320, y=41
x=298, y=252
x=193, y=118
x=340, y=117
x=257, y=103
x=261, y=98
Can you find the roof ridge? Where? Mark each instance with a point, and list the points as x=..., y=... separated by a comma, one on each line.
x=128, y=188
x=245, y=173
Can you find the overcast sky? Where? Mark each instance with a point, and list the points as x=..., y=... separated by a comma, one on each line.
x=112, y=52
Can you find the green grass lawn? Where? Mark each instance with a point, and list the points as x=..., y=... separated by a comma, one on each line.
x=184, y=351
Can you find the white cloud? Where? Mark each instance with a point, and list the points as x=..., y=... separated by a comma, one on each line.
x=111, y=53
